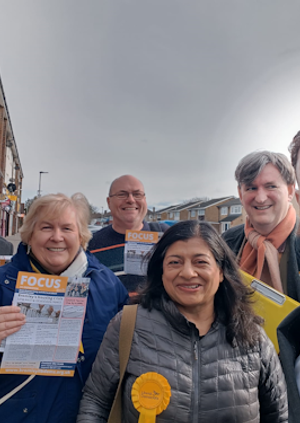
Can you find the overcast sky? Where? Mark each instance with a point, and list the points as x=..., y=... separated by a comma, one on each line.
x=175, y=92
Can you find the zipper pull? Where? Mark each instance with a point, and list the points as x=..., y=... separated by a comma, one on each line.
x=195, y=350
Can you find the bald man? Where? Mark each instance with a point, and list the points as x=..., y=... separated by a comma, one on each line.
x=128, y=206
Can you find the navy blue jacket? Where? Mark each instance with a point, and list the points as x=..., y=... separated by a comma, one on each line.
x=289, y=346
x=107, y=246
x=55, y=399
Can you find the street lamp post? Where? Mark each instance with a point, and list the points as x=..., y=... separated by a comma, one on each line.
x=39, y=191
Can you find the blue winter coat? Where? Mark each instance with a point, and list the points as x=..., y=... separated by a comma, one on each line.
x=55, y=399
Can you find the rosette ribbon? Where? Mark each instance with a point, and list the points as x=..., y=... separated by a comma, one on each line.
x=150, y=395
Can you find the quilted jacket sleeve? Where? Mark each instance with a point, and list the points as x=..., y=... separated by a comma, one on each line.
x=102, y=383
x=272, y=386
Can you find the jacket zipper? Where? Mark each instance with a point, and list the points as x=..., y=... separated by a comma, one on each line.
x=195, y=378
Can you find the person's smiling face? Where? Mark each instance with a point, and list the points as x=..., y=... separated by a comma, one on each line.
x=266, y=200
x=191, y=276
x=128, y=213
x=55, y=241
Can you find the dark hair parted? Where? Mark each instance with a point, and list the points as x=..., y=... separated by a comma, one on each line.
x=294, y=149
x=232, y=300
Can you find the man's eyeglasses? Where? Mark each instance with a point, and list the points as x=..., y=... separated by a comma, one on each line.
x=123, y=195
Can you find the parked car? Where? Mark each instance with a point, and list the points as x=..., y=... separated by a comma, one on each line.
x=169, y=222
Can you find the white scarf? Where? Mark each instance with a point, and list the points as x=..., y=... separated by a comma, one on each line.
x=78, y=266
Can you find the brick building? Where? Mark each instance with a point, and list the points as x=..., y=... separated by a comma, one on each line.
x=223, y=213
x=209, y=211
x=11, y=174
x=231, y=213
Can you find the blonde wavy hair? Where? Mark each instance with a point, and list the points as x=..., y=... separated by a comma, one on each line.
x=52, y=205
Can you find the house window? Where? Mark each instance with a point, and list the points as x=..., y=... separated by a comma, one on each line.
x=177, y=216
x=201, y=212
x=171, y=215
x=225, y=226
x=224, y=211
x=236, y=210
x=158, y=217
x=193, y=213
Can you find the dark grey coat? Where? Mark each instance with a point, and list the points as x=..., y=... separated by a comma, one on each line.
x=291, y=257
x=6, y=247
x=210, y=380
x=289, y=345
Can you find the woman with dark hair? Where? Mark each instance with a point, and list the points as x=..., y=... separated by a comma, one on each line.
x=196, y=328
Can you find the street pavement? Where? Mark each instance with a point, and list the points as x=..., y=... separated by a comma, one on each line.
x=15, y=240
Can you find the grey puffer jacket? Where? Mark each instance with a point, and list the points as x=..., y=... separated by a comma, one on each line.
x=210, y=380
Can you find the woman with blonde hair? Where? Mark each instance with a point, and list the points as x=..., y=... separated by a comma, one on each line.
x=54, y=239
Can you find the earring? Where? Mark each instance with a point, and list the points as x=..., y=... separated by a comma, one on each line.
x=28, y=249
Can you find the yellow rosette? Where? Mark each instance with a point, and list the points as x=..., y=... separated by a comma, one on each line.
x=150, y=395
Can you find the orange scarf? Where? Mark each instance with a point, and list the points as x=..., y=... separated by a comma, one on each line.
x=259, y=248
